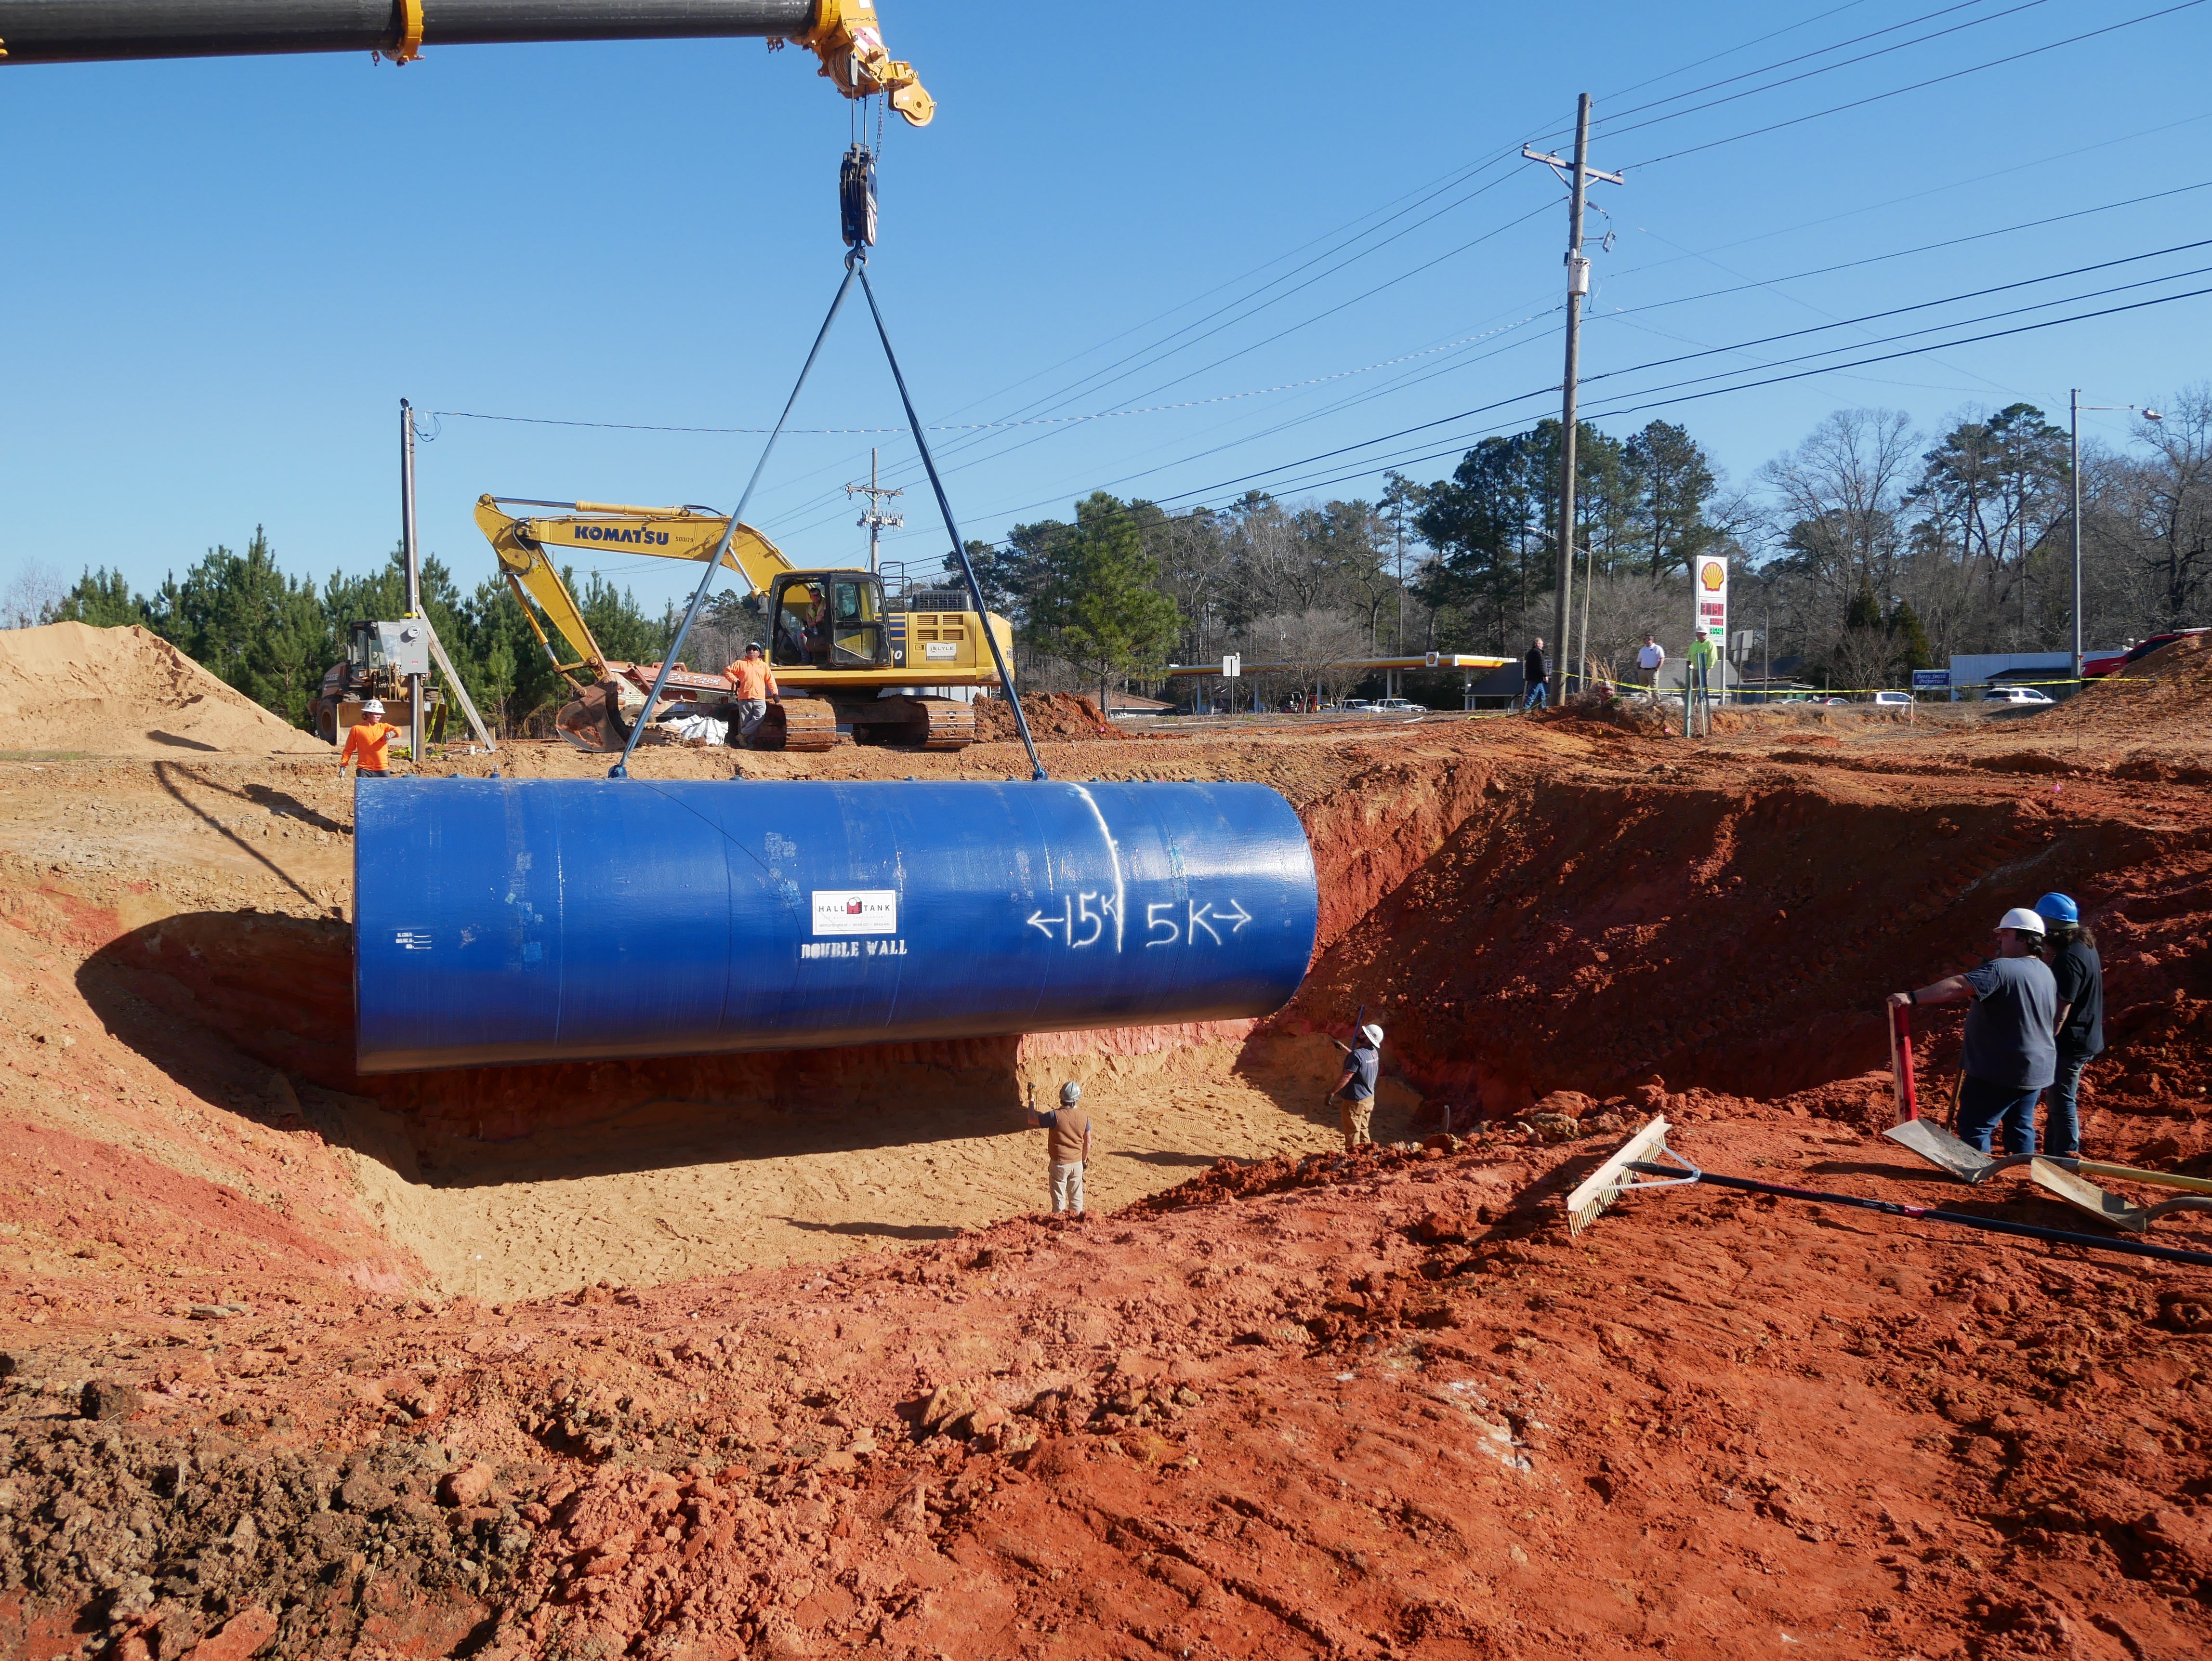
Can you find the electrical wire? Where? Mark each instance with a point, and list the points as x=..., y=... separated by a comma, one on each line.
x=1918, y=86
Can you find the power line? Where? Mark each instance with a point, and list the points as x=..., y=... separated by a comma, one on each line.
x=1917, y=86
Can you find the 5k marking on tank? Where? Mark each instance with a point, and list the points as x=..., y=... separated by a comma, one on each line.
x=1078, y=910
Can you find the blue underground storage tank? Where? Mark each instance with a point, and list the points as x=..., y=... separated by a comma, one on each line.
x=501, y=921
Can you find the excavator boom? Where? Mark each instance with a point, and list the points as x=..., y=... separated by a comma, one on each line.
x=843, y=33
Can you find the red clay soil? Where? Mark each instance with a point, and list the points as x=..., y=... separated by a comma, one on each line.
x=1382, y=1407
x=1062, y=717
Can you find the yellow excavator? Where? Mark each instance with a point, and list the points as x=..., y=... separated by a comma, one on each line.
x=846, y=659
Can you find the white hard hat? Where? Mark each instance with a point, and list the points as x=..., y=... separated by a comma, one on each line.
x=1371, y=1032
x=373, y=706
x=1070, y=1093
x=2027, y=922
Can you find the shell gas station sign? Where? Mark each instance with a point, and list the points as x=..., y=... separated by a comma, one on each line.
x=1710, y=587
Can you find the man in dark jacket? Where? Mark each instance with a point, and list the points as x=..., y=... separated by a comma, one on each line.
x=2010, y=1055
x=2080, y=977
x=1535, y=677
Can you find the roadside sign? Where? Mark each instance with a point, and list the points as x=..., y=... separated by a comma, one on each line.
x=1232, y=665
x=1432, y=660
x=1710, y=595
x=1931, y=680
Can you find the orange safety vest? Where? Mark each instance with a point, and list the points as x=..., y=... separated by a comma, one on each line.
x=754, y=679
x=369, y=740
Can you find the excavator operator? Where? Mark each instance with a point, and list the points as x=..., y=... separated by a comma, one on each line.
x=755, y=685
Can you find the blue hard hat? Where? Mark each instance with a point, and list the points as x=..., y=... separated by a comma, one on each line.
x=2057, y=908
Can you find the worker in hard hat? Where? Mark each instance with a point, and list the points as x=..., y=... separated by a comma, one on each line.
x=367, y=742
x=2081, y=1023
x=1355, y=1091
x=2011, y=1053
x=1068, y=1149
x=755, y=685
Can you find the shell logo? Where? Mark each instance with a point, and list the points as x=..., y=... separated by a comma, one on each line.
x=1714, y=575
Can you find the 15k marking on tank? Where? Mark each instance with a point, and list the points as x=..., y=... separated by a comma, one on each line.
x=1089, y=911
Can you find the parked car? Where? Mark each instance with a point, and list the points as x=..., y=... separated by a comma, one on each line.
x=2092, y=667
x=1356, y=706
x=2015, y=695
x=1893, y=698
x=1396, y=707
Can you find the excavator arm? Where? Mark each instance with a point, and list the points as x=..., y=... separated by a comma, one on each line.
x=591, y=527
x=843, y=33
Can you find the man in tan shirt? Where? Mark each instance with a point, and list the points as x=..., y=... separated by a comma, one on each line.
x=1069, y=1148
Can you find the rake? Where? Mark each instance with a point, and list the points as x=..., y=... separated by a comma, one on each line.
x=1598, y=1191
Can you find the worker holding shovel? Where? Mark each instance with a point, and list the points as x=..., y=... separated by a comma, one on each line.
x=2010, y=1055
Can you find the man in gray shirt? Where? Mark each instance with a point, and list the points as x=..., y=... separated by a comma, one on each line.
x=2010, y=1054
x=1356, y=1112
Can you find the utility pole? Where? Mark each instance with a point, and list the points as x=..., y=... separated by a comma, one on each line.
x=1577, y=177
x=875, y=519
x=414, y=573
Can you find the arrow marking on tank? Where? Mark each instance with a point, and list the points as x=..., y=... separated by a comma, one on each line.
x=1241, y=916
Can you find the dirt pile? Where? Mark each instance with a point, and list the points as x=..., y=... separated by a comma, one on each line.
x=69, y=688
x=1060, y=717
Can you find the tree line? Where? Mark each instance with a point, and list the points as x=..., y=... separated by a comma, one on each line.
x=272, y=635
x=1864, y=551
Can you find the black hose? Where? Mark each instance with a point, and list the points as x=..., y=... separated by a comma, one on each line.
x=92, y=31
x=1896, y=1208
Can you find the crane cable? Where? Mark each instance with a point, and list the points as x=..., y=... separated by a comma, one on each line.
x=856, y=202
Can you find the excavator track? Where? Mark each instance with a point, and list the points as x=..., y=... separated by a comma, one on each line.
x=797, y=724
x=951, y=724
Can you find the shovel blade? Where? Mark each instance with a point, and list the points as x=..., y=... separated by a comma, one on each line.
x=2084, y=1196
x=1942, y=1150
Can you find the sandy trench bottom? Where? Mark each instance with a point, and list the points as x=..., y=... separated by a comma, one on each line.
x=703, y=1190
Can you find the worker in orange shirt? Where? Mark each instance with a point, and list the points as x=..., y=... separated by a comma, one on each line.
x=367, y=741
x=755, y=685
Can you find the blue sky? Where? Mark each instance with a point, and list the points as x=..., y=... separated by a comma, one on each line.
x=222, y=276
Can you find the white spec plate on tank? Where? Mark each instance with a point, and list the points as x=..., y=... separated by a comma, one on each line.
x=856, y=911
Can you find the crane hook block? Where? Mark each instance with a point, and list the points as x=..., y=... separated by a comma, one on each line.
x=508, y=920
x=856, y=197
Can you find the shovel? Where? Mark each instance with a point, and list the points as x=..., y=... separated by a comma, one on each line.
x=2062, y=1185
x=1946, y=1153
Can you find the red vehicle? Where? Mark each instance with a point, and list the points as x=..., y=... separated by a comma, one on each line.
x=2092, y=667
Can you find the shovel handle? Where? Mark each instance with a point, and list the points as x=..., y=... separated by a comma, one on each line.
x=1900, y=1063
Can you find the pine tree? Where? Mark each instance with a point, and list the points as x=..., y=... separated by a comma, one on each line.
x=1101, y=607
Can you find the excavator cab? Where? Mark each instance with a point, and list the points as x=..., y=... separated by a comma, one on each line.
x=829, y=620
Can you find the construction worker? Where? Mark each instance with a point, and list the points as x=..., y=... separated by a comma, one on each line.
x=367, y=740
x=1068, y=1149
x=2080, y=1023
x=1651, y=659
x=1535, y=677
x=1702, y=655
x=1355, y=1113
x=2011, y=1055
x=755, y=685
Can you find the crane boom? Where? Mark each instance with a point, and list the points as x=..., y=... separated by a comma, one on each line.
x=843, y=33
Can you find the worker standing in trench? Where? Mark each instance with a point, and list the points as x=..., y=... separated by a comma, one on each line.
x=1068, y=1149
x=2081, y=1022
x=2011, y=1053
x=755, y=685
x=1356, y=1113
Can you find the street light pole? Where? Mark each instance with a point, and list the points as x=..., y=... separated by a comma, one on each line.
x=2075, y=406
